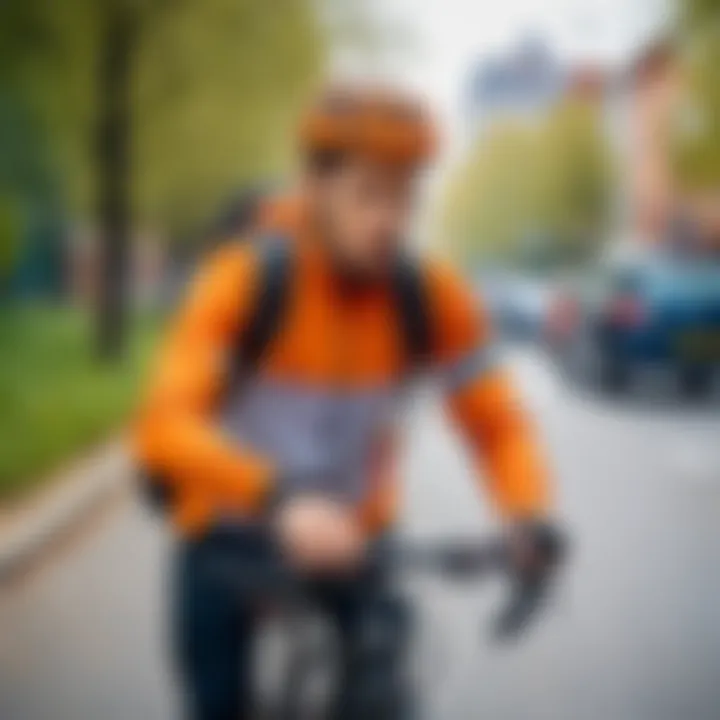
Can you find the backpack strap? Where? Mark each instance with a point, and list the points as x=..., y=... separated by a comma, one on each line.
x=273, y=286
x=413, y=312
x=274, y=275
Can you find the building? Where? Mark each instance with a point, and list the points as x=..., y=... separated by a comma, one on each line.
x=651, y=90
x=658, y=208
x=524, y=83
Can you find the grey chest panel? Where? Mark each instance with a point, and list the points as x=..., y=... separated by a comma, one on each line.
x=321, y=439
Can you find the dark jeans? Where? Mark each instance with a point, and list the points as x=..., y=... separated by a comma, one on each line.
x=216, y=619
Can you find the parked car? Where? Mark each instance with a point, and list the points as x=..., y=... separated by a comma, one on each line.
x=518, y=305
x=651, y=311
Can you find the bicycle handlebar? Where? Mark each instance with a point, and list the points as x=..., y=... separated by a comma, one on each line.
x=468, y=559
x=455, y=559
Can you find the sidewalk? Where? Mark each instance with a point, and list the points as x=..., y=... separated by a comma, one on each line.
x=33, y=525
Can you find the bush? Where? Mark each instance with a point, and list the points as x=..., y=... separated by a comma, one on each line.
x=56, y=398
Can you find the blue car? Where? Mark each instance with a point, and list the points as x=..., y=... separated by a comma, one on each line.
x=659, y=312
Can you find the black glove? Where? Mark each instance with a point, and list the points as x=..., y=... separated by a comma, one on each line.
x=536, y=549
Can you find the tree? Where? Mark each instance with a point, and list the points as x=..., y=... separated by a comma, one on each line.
x=489, y=199
x=697, y=140
x=156, y=107
x=9, y=232
x=576, y=177
x=532, y=192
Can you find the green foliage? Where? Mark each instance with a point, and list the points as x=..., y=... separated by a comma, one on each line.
x=696, y=14
x=532, y=191
x=56, y=399
x=485, y=209
x=697, y=137
x=9, y=235
x=216, y=86
x=577, y=178
x=218, y=93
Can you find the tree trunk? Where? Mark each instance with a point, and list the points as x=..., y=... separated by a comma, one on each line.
x=112, y=173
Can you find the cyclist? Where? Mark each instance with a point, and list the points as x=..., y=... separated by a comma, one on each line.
x=298, y=445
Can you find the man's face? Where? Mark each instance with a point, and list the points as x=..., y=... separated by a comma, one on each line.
x=364, y=207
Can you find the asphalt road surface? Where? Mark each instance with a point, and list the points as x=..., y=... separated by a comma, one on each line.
x=633, y=632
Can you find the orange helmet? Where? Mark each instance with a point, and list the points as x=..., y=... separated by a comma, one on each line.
x=375, y=122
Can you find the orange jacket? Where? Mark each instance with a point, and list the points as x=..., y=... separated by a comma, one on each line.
x=333, y=347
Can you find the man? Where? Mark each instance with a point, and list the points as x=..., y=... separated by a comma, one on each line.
x=299, y=448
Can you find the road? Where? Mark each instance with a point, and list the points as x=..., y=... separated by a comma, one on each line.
x=633, y=633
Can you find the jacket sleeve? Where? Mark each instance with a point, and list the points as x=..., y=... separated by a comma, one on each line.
x=482, y=401
x=176, y=435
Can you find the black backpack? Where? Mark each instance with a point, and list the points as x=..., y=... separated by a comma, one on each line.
x=275, y=275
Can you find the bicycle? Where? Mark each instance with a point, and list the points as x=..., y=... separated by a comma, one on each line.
x=283, y=594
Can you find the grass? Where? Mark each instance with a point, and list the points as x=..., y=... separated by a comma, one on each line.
x=56, y=399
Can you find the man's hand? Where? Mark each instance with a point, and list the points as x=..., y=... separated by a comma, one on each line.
x=319, y=535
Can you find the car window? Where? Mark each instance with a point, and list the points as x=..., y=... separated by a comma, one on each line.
x=690, y=282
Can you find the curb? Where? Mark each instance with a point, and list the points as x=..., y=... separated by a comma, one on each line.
x=31, y=527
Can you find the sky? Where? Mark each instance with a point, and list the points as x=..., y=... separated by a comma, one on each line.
x=436, y=44
x=444, y=39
